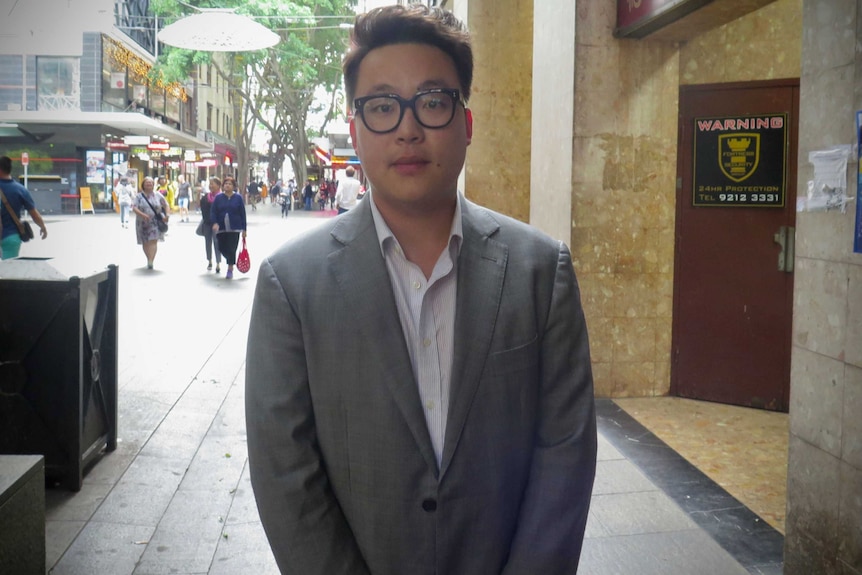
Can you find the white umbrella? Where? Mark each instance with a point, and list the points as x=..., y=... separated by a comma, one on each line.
x=218, y=30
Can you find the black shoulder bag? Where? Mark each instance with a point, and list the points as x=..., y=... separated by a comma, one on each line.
x=160, y=221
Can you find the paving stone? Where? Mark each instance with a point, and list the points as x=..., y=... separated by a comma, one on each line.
x=642, y=512
x=217, y=465
x=188, y=534
x=65, y=505
x=244, y=550
x=58, y=536
x=244, y=506
x=620, y=476
x=104, y=548
x=143, y=494
x=689, y=552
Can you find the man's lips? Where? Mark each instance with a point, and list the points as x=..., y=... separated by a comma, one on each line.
x=409, y=164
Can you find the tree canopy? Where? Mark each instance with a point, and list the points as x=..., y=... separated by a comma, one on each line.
x=276, y=86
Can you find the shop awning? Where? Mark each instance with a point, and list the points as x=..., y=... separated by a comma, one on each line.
x=66, y=126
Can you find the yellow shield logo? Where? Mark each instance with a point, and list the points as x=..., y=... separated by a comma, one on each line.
x=738, y=155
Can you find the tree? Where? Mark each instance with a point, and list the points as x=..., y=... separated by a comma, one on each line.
x=276, y=86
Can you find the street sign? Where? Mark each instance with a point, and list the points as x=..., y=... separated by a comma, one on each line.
x=25, y=158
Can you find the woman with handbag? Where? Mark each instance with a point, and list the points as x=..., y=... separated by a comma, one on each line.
x=210, y=238
x=228, y=220
x=152, y=214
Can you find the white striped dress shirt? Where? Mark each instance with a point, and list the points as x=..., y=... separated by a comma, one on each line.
x=426, y=308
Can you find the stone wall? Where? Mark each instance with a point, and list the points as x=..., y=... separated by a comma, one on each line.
x=498, y=160
x=824, y=487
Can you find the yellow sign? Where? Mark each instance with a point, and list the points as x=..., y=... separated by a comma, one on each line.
x=86, y=201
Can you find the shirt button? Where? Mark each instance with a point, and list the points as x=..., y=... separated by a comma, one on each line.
x=416, y=285
x=429, y=404
x=426, y=342
x=429, y=505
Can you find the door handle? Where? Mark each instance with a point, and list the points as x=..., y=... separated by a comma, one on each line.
x=786, y=238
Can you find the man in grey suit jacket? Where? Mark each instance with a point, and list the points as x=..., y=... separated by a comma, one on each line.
x=451, y=431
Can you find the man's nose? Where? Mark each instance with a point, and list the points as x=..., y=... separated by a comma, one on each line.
x=410, y=128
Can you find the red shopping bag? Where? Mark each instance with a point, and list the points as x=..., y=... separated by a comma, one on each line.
x=243, y=261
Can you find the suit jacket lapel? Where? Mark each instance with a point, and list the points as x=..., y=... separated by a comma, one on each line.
x=481, y=270
x=362, y=277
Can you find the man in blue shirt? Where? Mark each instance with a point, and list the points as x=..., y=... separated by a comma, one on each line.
x=17, y=197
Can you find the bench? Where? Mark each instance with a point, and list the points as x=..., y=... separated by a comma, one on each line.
x=22, y=514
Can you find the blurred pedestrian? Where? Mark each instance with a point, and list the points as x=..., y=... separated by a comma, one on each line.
x=125, y=196
x=184, y=193
x=149, y=206
x=210, y=237
x=307, y=195
x=228, y=221
x=15, y=197
x=348, y=191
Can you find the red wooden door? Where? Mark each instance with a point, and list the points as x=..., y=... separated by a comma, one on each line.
x=736, y=189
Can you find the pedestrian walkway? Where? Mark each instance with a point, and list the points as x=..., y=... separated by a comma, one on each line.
x=175, y=496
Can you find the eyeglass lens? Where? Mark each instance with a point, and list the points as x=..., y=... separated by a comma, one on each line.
x=432, y=110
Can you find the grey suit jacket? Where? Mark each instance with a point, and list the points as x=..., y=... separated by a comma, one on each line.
x=340, y=457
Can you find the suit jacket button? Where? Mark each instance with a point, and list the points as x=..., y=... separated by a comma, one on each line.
x=429, y=505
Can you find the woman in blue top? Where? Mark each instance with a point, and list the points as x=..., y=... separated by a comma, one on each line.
x=227, y=215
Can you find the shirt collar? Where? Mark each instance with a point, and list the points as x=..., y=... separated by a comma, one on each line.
x=384, y=234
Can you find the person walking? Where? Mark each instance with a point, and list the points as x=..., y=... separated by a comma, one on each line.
x=184, y=193
x=15, y=198
x=125, y=196
x=307, y=195
x=210, y=237
x=348, y=191
x=228, y=221
x=454, y=430
x=149, y=207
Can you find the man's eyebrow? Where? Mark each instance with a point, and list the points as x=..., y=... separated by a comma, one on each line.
x=390, y=89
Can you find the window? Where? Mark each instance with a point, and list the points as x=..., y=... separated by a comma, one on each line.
x=59, y=83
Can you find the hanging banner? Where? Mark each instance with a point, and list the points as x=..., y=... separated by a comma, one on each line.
x=857, y=238
x=740, y=161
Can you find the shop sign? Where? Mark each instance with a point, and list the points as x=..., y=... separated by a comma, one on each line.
x=190, y=156
x=136, y=140
x=158, y=146
x=207, y=163
x=740, y=161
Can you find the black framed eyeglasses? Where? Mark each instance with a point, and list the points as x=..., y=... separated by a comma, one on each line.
x=434, y=109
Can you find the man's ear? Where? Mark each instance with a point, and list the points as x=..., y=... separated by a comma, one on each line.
x=352, y=124
x=468, y=117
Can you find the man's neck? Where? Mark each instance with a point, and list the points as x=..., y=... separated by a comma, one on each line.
x=422, y=234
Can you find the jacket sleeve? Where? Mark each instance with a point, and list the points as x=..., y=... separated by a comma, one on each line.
x=242, y=213
x=303, y=521
x=553, y=513
x=214, y=212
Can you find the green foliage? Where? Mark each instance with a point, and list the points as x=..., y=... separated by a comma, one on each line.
x=278, y=84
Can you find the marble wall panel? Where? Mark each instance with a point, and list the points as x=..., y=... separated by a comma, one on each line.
x=827, y=235
x=820, y=306
x=829, y=34
x=498, y=161
x=853, y=344
x=850, y=519
x=851, y=436
x=762, y=45
x=814, y=500
x=816, y=400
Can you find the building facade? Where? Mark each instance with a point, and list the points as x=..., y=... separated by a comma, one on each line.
x=79, y=98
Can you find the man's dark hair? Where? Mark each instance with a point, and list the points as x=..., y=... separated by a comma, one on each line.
x=416, y=24
x=6, y=164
